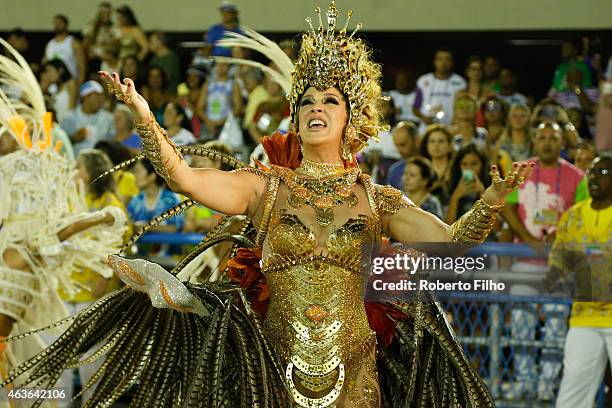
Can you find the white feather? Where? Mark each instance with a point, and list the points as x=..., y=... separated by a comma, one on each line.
x=257, y=42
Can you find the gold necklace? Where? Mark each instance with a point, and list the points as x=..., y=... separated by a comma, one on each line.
x=320, y=170
x=323, y=190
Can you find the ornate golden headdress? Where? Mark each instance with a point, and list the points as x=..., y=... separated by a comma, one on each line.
x=329, y=59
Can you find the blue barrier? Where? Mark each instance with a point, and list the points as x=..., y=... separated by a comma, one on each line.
x=173, y=238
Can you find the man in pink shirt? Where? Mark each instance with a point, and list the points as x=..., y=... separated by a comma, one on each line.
x=533, y=212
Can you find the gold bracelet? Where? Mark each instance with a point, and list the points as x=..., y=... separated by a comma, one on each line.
x=151, y=147
x=475, y=225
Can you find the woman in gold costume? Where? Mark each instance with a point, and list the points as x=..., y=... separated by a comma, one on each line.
x=293, y=331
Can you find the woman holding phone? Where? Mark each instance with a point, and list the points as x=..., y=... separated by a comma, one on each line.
x=469, y=180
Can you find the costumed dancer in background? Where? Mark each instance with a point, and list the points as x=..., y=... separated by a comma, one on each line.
x=294, y=331
x=46, y=230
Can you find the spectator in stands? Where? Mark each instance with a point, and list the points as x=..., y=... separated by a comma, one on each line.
x=403, y=96
x=588, y=344
x=92, y=163
x=189, y=95
x=553, y=187
x=469, y=179
x=133, y=40
x=603, y=131
x=533, y=214
x=18, y=39
x=100, y=38
x=491, y=67
x=124, y=178
x=238, y=72
x=418, y=179
x=466, y=131
x=272, y=114
x=130, y=68
x=436, y=91
x=575, y=95
x=124, y=128
x=219, y=98
x=474, y=73
x=230, y=22
x=154, y=198
x=494, y=112
x=507, y=88
x=59, y=88
x=570, y=50
x=383, y=153
x=585, y=155
x=200, y=218
x=89, y=123
x=67, y=48
x=517, y=137
x=166, y=59
x=550, y=111
x=177, y=125
x=257, y=95
x=155, y=92
x=406, y=140
x=437, y=146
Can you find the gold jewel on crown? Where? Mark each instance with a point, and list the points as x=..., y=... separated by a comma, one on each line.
x=328, y=58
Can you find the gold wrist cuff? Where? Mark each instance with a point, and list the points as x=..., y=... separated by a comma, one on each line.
x=475, y=225
x=153, y=135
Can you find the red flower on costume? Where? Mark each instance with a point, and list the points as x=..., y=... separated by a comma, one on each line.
x=244, y=270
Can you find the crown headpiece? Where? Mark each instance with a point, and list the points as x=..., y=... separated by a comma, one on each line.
x=328, y=58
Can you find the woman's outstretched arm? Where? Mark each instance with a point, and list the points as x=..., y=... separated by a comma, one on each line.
x=472, y=227
x=226, y=192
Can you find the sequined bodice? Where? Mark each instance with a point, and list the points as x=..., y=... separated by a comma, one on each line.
x=316, y=319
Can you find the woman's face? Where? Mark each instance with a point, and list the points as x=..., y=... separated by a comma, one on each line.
x=121, y=20
x=438, y=145
x=51, y=74
x=413, y=179
x=519, y=119
x=474, y=71
x=130, y=68
x=465, y=109
x=104, y=13
x=143, y=178
x=322, y=116
x=155, y=79
x=472, y=162
x=82, y=173
x=171, y=116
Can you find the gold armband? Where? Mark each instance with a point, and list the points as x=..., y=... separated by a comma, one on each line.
x=152, y=135
x=474, y=226
x=391, y=200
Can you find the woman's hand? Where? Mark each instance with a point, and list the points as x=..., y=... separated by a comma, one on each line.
x=126, y=93
x=500, y=188
x=465, y=188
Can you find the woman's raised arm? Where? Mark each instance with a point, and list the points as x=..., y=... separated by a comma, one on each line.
x=226, y=192
x=472, y=227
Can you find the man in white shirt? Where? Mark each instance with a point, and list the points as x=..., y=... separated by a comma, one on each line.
x=67, y=48
x=403, y=97
x=89, y=123
x=435, y=94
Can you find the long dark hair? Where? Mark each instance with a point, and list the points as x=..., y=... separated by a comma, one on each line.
x=61, y=68
x=150, y=169
x=436, y=128
x=97, y=162
x=425, y=168
x=129, y=15
x=456, y=173
x=185, y=122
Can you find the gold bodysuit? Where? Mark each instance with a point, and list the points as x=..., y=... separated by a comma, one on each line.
x=316, y=319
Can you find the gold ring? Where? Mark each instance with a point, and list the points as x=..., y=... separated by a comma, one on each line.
x=520, y=180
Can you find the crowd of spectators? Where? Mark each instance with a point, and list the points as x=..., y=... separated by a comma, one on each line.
x=447, y=127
